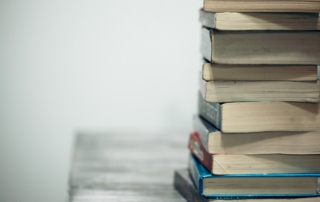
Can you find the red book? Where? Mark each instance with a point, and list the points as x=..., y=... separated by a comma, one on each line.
x=222, y=164
x=199, y=151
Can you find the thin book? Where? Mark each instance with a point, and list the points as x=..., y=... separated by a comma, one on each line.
x=259, y=20
x=252, y=185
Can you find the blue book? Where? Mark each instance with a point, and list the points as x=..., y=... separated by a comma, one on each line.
x=184, y=185
x=252, y=185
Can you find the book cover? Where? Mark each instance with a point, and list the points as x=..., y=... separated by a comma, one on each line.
x=239, y=183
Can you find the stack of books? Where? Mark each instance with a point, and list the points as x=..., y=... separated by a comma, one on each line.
x=257, y=132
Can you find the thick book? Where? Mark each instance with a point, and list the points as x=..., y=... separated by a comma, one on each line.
x=259, y=21
x=312, y=6
x=223, y=72
x=222, y=164
x=184, y=185
x=261, y=47
x=280, y=142
x=260, y=91
x=252, y=185
x=245, y=117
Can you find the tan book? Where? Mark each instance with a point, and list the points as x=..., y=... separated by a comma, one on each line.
x=260, y=91
x=262, y=6
x=222, y=72
x=261, y=47
x=245, y=117
x=259, y=21
x=279, y=142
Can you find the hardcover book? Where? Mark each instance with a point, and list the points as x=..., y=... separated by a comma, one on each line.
x=222, y=164
x=245, y=117
x=222, y=72
x=252, y=185
x=279, y=142
x=261, y=47
x=312, y=6
x=259, y=21
x=184, y=185
x=260, y=91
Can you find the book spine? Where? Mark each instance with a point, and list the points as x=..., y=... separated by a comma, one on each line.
x=205, y=47
x=200, y=152
x=195, y=176
x=202, y=131
x=207, y=19
x=185, y=187
x=210, y=111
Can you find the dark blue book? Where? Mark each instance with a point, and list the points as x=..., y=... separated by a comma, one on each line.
x=252, y=185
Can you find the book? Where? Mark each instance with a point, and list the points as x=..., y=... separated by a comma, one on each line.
x=222, y=164
x=245, y=117
x=279, y=142
x=260, y=91
x=222, y=72
x=252, y=185
x=312, y=6
x=259, y=21
x=184, y=185
x=261, y=47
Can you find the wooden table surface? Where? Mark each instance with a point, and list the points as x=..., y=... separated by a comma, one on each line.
x=119, y=167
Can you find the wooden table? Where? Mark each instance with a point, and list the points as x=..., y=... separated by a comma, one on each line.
x=119, y=167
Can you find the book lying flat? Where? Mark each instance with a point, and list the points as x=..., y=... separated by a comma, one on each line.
x=222, y=164
x=184, y=185
x=279, y=142
x=261, y=47
x=260, y=91
x=259, y=21
x=312, y=6
x=222, y=72
x=245, y=117
x=252, y=185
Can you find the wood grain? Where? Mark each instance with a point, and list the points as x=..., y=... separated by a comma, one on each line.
x=126, y=167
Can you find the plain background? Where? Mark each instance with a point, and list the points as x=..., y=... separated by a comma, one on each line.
x=69, y=66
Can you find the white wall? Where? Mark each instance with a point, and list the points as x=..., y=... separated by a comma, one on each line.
x=67, y=66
